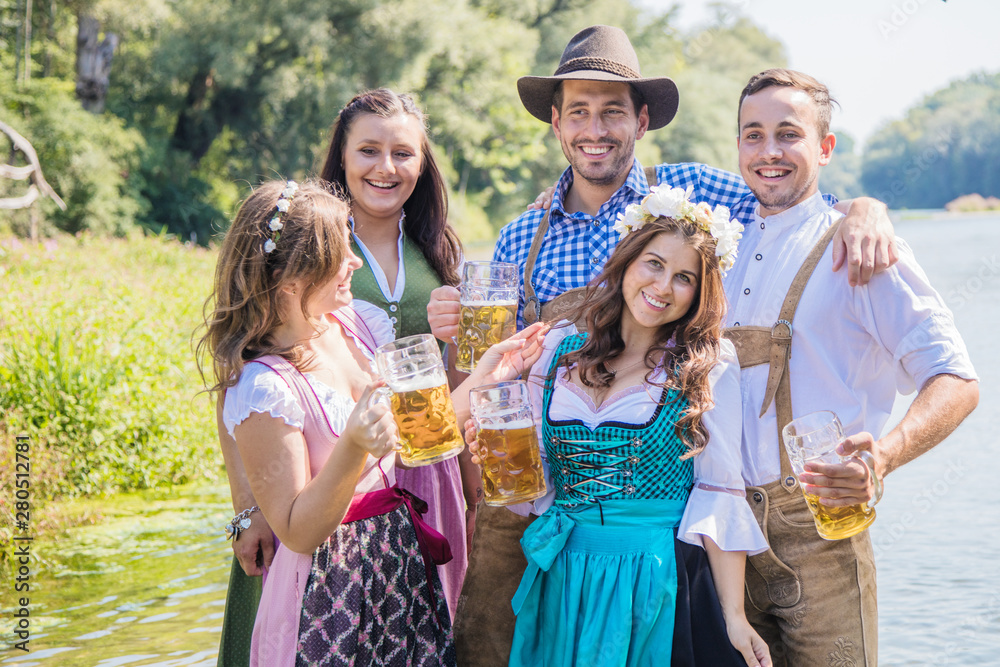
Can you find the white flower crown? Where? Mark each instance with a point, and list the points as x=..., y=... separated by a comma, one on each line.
x=284, y=201
x=675, y=203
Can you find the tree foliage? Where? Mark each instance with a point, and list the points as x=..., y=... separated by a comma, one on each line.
x=206, y=99
x=87, y=159
x=943, y=148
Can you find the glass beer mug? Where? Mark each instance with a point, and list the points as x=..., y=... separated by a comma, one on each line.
x=508, y=443
x=420, y=400
x=489, y=310
x=814, y=438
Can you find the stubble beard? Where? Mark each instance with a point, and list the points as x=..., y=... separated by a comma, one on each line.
x=778, y=201
x=608, y=175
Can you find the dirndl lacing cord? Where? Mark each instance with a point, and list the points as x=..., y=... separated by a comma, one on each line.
x=617, y=455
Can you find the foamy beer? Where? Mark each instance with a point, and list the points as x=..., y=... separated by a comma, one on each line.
x=421, y=403
x=813, y=438
x=489, y=310
x=508, y=443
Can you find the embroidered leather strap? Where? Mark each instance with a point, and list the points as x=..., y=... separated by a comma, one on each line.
x=773, y=346
x=568, y=301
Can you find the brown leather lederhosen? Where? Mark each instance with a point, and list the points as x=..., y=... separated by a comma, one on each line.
x=813, y=601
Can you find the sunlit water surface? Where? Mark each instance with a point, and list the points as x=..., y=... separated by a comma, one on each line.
x=147, y=585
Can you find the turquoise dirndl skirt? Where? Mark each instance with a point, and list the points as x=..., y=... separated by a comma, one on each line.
x=598, y=594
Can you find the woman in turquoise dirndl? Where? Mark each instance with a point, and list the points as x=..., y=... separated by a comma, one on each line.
x=641, y=426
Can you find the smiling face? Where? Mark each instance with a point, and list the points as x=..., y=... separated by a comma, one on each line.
x=382, y=162
x=335, y=293
x=661, y=284
x=597, y=127
x=780, y=147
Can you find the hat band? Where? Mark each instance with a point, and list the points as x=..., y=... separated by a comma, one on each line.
x=598, y=64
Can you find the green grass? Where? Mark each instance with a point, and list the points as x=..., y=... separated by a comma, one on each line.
x=97, y=367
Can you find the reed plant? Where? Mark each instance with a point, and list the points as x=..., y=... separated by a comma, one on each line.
x=97, y=367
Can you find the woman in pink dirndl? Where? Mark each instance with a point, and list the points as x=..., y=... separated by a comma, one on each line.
x=353, y=580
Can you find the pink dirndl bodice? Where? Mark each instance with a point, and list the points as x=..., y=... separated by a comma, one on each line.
x=275, y=632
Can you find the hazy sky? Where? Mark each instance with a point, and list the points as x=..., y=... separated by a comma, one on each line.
x=879, y=57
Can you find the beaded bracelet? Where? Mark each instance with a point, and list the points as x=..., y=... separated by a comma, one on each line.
x=239, y=523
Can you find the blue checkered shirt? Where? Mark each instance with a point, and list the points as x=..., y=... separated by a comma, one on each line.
x=577, y=245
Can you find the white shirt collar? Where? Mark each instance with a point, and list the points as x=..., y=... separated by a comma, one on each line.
x=792, y=216
x=380, y=278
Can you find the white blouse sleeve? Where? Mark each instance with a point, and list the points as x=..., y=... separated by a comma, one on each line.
x=717, y=507
x=536, y=389
x=260, y=389
x=376, y=319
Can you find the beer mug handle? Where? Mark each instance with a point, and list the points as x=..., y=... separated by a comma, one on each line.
x=380, y=395
x=868, y=460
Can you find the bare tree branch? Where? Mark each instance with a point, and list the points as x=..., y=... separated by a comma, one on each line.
x=38, y=181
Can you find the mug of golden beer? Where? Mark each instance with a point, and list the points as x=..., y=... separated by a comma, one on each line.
x=813, y=438
x=489, y=310
x=508, y=443
x=420, y=400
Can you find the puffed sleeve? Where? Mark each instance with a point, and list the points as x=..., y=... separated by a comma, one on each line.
x=717, y=507
x=376, y=319
x=536, y=388
x=260, y=389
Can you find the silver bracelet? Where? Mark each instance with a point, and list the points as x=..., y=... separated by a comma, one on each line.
x=239, y=523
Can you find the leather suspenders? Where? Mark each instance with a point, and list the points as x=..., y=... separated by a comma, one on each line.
x=773, y=346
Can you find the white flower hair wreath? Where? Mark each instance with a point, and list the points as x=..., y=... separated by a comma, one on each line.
x=675, y=203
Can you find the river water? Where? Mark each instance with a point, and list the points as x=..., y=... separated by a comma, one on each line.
x=146, y=586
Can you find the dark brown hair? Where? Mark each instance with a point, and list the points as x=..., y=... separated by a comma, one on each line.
x=243, y=309
x=819, y=93
x=426, y=209
x=696, y=334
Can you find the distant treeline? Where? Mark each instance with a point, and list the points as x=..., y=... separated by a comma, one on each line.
x=163, y=115
x=946, y=147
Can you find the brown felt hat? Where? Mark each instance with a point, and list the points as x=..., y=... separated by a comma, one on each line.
x=600, y=53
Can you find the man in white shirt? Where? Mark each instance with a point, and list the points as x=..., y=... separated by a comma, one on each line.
x=852, y=349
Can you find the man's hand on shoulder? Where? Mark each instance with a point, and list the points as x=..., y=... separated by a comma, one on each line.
x=544, y=199
x=866, y=241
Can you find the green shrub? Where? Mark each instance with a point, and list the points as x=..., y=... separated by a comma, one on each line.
x=88, y=159
x=96, y=365
x=180, y=201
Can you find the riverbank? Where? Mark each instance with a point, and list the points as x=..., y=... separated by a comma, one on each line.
x=98, y=381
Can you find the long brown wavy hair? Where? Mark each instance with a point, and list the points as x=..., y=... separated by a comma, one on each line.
x=696, y=335
x=244, y=309
x=426, y=209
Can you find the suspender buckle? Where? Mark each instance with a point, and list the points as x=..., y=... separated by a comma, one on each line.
x=782, y=331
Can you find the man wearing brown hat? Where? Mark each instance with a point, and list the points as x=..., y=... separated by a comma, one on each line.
x=599, y=106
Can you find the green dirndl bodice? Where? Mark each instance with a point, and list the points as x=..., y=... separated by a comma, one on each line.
x=408, y=315
x=601, y=582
